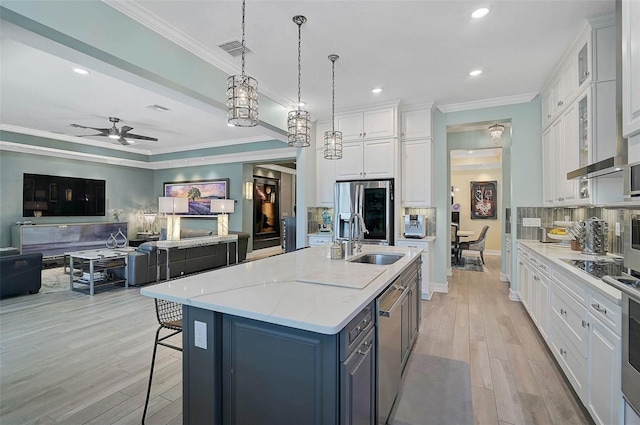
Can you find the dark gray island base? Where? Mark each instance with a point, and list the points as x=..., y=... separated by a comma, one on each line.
x=283, y=351
x=261, y=373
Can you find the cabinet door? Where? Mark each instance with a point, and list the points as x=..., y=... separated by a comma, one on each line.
x=358, y=378
x=548, y=163
x=379, y=123
x=570, y=79
x=543, y=306
x=584, y=63
x=405, y=339
x=604, y=396
x=523, y=282
x=571, y=154
x=534, y=291
x=350, y=125
x=630, y=67
x=546, y=109
x=416, y=173
x=416, y=124
x=350, y=166
x=379, y=158
x=558, y=158
x=325, y=180
x=557, y=97
x=414, y=312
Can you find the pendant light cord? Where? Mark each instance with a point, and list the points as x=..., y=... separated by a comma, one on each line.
x=299, y=62
x=333, y=95
x=243, y=38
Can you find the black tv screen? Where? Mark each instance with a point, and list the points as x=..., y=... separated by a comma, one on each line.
x=50, y=196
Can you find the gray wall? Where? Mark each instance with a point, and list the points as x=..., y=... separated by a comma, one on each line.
x=130, y=189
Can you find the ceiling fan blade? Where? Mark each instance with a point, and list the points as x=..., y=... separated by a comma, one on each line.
x=90, y=135
x=123, y=141
x=139, y=137
x=125, y=129
x=102, y=130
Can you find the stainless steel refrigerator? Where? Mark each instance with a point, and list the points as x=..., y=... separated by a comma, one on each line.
x=373, y=200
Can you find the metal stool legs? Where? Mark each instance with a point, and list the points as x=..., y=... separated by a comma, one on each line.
x=170, y=317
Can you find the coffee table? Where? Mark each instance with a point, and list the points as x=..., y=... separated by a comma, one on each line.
x=97, y=266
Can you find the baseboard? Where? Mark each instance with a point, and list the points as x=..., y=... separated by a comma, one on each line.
x=504, y=277
x=440, y=287
x=426, y=295
x=513, y=296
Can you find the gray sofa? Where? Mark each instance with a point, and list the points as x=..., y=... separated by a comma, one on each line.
x=19, y=273
x=143, y=263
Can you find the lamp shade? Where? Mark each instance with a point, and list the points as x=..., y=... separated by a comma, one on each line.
x=167, y=204
x=225, y=206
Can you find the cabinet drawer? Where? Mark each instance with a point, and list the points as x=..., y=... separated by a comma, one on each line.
x=351, y=336
x=573, y=363
x=319, y=240
x=572, y=316
x=607, y=312
x=570, y=283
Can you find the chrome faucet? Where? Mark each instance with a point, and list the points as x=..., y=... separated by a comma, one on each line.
x=362, y=229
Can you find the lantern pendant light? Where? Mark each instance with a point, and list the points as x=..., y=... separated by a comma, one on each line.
x=333, y=138
x=299, y=121
x=242, y=95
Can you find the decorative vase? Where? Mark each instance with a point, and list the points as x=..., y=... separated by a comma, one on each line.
x=111, y=242
x=121, y=239
x=116, y=219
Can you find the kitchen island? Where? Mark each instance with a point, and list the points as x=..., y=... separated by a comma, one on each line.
x=289, y=339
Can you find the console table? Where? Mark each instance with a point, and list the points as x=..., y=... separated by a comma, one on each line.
x=54, y=240
x=191, y=243
x=98, y=261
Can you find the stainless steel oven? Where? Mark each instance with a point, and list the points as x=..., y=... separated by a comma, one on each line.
x=631, y=348
x=631, y=241
x=631, y=182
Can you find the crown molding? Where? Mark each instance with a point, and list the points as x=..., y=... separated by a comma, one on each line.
x=487, y=103
x=269, y=155
x=138, y=13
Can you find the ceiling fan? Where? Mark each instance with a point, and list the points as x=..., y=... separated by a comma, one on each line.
x=121, y=135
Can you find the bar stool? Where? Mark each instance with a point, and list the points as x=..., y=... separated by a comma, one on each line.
x=169, y=316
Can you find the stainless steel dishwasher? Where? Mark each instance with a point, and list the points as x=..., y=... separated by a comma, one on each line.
x=388, y=307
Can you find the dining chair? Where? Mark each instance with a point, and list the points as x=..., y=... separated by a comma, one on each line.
x=169, y=315
x=455, y=243
x=477, y=245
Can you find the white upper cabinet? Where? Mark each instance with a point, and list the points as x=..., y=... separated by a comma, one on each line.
x=416, y=173
x=631, y=70
x=416, y=124
x=370, y=159
x=377, y=123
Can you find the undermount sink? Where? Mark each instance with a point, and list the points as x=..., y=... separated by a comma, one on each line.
x=380, y=259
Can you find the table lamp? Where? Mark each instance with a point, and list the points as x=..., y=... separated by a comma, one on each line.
x=222, y=207
x=172, y=205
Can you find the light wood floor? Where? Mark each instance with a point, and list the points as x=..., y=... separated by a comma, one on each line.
x=74, y=359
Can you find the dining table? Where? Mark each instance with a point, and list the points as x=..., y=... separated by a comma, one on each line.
x=465, y=233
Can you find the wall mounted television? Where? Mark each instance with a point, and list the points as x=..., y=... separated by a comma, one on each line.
x=56, y=196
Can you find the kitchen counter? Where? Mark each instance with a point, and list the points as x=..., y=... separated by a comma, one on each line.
x=555, y=252
x=268, y=290
x=425, y=239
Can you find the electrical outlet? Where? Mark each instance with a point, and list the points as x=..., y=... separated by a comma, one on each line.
x=532, y=222
x=617, y=228
x=200, y=332
x=567, y=218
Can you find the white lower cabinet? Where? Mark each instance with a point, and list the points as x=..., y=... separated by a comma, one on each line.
x=317, y=240
x=582, y=328
x=425, y=291
x=603, y=395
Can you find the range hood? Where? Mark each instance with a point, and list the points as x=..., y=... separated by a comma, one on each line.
x=609, y=165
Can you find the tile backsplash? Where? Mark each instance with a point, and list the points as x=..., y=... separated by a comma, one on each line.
x=314, y=218
x=549, y=215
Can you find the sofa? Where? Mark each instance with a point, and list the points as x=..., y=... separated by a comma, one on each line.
x=143, y=263
x=19, y=273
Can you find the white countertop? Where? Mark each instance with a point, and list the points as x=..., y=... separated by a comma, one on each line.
x=267, y=289
x=554, y=252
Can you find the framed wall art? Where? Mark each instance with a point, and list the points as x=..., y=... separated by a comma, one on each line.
x=200, y=194
x=484, y=200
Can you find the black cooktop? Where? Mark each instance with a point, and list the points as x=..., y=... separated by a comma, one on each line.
x=599, y=267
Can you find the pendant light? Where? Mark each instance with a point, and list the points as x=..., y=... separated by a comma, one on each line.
x=333, y=138
x=242, y=95
x=299, y=121
x=496, y=131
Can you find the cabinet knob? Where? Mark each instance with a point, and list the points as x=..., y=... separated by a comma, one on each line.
x=368, y=346
x=548, y=115
x=364, y=134
x=585, y=324
x=600, y=309
x=360, y=134
x=563, y=352
x=563, y=311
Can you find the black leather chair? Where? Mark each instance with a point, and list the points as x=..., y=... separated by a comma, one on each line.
x=19, y=273
x=455, y=243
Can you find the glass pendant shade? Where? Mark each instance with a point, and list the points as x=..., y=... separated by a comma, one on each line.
x=242, y=101
x=496, y=131
x=333, y=145
x=299, y=126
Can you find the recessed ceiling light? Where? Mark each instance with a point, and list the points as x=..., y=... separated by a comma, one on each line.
x=80, y=71
x=475, y=72
x=470, y=152
x=480, y=13
x=376, y=90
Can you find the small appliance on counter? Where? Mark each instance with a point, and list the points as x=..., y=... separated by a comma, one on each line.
x=326, y=227
x=543, y=235
x=595, y=236
x=415, y=226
